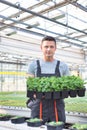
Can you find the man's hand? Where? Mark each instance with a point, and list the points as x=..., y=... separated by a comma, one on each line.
x=29, y=75
x=34, y=96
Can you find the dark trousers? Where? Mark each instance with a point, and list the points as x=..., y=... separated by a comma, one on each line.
x=48, y=112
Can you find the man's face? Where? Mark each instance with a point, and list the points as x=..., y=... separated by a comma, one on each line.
x=48, y=48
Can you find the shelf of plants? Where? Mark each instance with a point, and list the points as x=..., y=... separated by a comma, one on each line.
x=21, y=123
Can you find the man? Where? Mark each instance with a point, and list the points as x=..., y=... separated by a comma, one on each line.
x=48, y=66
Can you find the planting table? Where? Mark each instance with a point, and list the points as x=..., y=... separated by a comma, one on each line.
x=7, y=125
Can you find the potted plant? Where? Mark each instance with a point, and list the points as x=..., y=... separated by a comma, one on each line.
x=55, y=125
x=4, y=117
x=81, y=88
x=78, y=126
x=38, y=86
x=65, y=86
x=60, y=88
x=30, y=87
x=34, y=122
x=81, y=92
x=17, y=119
x=75, y=84
x=44, y=87
x=56, y=87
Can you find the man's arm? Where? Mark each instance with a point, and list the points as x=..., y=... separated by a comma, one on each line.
x=31, y=69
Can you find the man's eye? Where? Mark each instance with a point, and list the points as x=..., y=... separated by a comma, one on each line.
x=46, y=46
x=51, y=46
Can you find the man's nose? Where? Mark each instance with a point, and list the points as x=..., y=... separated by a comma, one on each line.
x=48, y=48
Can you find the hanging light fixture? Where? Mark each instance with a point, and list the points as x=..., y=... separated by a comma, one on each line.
x=33, y=25
x=11, y=33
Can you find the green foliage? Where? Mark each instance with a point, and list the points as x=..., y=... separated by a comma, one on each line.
x=46, y=84
x=1, y=115
x=34, y=120
x=75, y=82
x=13, y=99
x=53, y=123
x=78, y=126
x=16, y=117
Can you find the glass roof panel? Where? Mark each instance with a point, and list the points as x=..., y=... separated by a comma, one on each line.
x=65, y=20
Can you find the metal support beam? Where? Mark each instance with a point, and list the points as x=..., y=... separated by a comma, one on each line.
x=51, y=8
x=21, y=29
x=29, y=8
x=41, y=16
x=79, y=6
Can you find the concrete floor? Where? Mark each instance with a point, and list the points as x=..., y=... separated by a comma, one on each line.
x=7, y=125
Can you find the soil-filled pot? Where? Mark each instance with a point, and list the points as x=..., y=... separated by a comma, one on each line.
x=55, y=125
x=4, y=117
x=35, y=122
x=56, y=94
x=73, y=93
x=64, y=94
x=17, y=120
x=30, y=94
x=48, y=95
x=81, y=92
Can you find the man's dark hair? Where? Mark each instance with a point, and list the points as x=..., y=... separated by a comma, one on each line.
x=49, y=38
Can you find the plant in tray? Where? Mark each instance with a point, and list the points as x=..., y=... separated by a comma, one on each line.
x=17, y=119
x=55, y=125
x=81, y=92
x=78, y=126
x=75, y=84
x=56, y=87
x=63, y=87
x=45, y=87
x=34, y=122
x=4, y=117
x=32, y=85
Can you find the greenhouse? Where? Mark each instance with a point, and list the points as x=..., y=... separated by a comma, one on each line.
x=34, y=34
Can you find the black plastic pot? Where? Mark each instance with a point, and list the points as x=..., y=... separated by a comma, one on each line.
x=58, y=127
x=64, y=94
x=56, y=94
x=18, y=120
x=30, y=94
x=73, y=93
x=39, y=95
x=81, y=92
x=48, y=95
x=34, y=124
x=5, y=118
